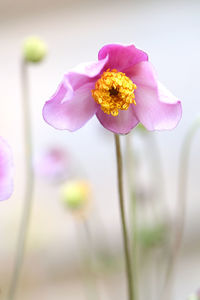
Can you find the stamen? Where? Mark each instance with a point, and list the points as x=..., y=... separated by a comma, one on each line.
x=114, y=91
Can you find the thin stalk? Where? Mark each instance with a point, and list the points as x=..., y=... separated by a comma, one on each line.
x=28, y=197
x=133, y=211
x=181, y=201
x=123, y=219
x=90, y=264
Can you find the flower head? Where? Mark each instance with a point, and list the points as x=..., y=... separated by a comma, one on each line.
x=53, y=165
x=121, y=89
x=6, y=170
x=34, y=49
x=76, y=196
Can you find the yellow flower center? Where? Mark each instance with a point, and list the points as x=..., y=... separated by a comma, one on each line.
x=114, y=91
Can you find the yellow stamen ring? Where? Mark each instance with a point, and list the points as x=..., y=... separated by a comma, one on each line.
x=114, y=91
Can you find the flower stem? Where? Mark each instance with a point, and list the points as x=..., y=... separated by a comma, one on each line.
x=90, y=263
x=130, y=162
x=123, y=219
x=26, y=213
x=181, y=201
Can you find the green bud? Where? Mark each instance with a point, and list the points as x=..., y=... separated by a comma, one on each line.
x=75, y=195
x=34, y=49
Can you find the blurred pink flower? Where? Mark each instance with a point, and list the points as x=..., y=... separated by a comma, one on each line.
x=121, y=88
x=53, y=165
x=6, y=170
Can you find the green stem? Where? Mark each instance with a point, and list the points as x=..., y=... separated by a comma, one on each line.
x=133, y=211
x=181, y=201
x=26, y=213
x=90, y=263
x=123, y=219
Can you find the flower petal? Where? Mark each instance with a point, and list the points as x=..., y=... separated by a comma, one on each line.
x=121, y=124
x=63, y=112
x=72, y=105
x=6, y=170
x=121, y=57
x=84, y=73
x=156, y=108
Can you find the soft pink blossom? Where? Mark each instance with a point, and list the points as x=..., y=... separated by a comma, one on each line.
x=53, y=164
x=73, y=104
x=6, y=171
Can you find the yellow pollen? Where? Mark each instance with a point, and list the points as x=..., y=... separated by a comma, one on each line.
x=114, y=91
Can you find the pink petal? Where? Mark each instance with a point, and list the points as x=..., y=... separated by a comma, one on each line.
x=122, y=124
x=85, y=72
x=156, y=108
x=121, y=57
x=6, y=170
x=73, y=113
x=72, y=105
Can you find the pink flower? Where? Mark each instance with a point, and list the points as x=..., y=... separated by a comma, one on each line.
x=121, y=88
x=6, y=171
x=53, y=165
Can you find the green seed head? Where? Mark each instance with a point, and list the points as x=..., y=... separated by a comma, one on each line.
x=75, y=195
x=34, y=49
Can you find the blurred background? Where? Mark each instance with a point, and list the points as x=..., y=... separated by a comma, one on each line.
x=57, y=248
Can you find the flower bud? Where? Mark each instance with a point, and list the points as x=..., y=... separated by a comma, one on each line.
x=75, y=195
x=34, y=49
